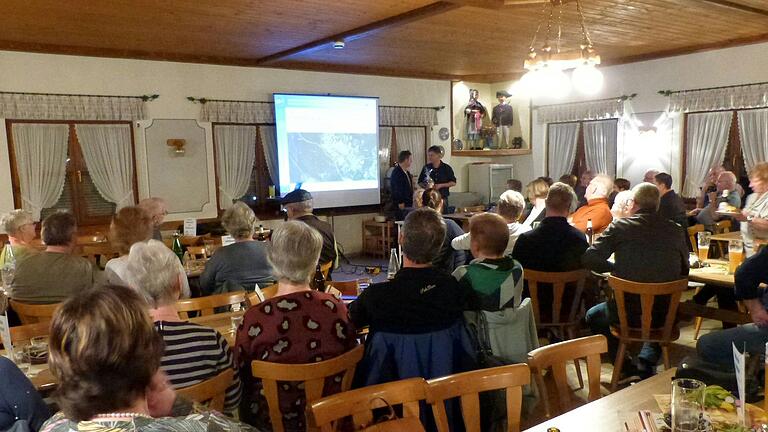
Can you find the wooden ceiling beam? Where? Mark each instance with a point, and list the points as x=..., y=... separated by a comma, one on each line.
x=738, y=6
x=429, y=10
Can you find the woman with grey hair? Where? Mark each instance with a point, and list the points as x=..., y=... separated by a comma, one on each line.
x=241, y=265
x=193, y=353
x=20, y=227
x=298, y=325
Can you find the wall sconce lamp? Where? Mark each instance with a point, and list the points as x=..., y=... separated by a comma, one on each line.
x=178, y=145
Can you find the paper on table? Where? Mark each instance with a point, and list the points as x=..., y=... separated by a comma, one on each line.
x=739, y=365
x=5, y=335
x=190, y=227
x=227, y=240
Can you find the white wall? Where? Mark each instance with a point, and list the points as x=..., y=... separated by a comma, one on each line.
x=740, y=65
x=26, y=72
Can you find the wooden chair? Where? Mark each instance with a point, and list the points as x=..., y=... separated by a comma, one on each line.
x=28, y=331
x=468, y=385
x=253, y=298
x=648, y=293
x=34, y=313
x=722, y=227
x=325, y=269
x=206, y=305
x=197, y=252
x=313, y=376
x=558, y=280
x=554, y=357
x=269, y=291
x=194, y=240
x=359, y=403
x=692, y=231
x=98, y=254
x=210, y=392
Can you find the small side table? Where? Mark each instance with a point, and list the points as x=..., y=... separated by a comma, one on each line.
x=378, y=238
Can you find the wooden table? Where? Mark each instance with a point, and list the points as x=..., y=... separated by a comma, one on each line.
x=733, y=235
x=461, y=218
x=610, y=412
x=716, y=274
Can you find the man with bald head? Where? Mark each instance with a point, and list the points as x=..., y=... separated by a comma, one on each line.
x=597, y=208
x=707, y=216
x=650, y=176
x=157, y=210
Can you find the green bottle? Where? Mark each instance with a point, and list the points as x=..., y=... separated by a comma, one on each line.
x=176, y=248
x=7, y=266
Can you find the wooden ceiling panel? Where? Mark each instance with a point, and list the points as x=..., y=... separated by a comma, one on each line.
x=448, y=39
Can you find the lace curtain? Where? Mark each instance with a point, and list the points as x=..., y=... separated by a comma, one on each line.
x=730, y=98
x=561, y=147
x=108, y=156
x=269, y=144
x=237, y=112
x=41, y=158
x=414, y=140
x=385, y=151
x=407, y=116
x=707, y=140
x=235, y=153
x=589, y=110
x=753, y=130
x=60, y=107
x=600, y=146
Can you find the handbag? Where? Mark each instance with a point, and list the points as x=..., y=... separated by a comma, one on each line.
x=478, y=329
x=390, y=422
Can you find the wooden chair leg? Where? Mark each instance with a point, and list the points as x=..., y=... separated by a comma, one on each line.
x=665, y=356
x=699, y=321
x=617, y=364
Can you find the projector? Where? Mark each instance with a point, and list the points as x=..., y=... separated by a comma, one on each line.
x=339, y=44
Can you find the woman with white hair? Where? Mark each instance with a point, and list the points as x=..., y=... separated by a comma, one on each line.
x=242, y=264
x=193, y=353
x=20, y=227
x=298, y=325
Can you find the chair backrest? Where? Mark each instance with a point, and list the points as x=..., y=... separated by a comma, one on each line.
x=210, y=392
x=468, y=386
x=359, y=403
x=28, y=331
x=647, y=293
x=313, y=376
x=692, y=231
x=254, y=297
x=206, y=305
x=197, y=252
x=194, y=240
x=98, y=254
x=34, y=313
x=556, y=356
x=325, y=269
x=723, y=226
x=558, y=280
x=269, y=291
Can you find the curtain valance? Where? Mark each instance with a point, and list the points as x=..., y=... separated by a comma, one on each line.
x=251, y=112
x=577, y=111
x=71, y=107
x=716, y=99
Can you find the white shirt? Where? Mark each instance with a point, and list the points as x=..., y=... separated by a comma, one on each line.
x=515, y=229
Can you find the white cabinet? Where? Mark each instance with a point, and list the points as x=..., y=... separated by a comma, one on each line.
x=489, y=180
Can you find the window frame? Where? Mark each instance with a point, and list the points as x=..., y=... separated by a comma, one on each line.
x=74, y=152
x=580, y=161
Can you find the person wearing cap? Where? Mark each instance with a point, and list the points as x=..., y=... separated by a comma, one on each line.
x=437, y=172
x=299, y=206
x=503, y=118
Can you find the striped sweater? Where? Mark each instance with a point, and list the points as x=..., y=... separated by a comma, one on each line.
x=194, y=353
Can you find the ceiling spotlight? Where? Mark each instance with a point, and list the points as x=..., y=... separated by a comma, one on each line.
x=339, y=44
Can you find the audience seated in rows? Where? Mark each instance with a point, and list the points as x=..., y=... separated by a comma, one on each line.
x=707, y=216
x=298, y=325
x=509, y=206
x=21, y=407
x=449, y=258
x=105, y=355
x=299, y=206
x=670, y=203
x=596, y=207
x=157, y=209
x=129, y=226
x=241, y=265
x=716, y=347
x=646, y=248
x=193, y=353
x=535, y=193
x=54, y=274
x=20, y=228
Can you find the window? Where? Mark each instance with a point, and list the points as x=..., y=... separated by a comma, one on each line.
x=580, y=164
x=734, y=159
x=79, y=195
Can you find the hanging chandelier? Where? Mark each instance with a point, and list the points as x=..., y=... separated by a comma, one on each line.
x=546, y=65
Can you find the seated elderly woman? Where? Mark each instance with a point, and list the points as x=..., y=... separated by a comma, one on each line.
x=298, y=325
x=105, y=354
x=242, y=264
x=129, y=226
x=193, y=353
x=20, y=227
x=449, y=258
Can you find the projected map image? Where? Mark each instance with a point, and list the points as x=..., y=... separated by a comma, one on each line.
x=321, y=157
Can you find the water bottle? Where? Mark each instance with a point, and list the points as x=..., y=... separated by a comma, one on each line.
x=7, y=266
x=394, y=264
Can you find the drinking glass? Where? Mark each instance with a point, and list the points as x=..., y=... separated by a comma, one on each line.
x=21, y=358
x=236, y=321
x=704, y=239
x=735, y=254
x=208, y=245
x=8, y=273
x=687, y=404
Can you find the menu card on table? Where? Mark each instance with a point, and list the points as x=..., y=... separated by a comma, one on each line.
x=5, y=336
x=190, y=227
x=740, y=365
x=227, y=240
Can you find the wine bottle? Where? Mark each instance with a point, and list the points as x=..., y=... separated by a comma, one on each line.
x=590, y=231
x=176, y=247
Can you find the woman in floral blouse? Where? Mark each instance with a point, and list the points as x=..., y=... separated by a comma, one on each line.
x=298, y=325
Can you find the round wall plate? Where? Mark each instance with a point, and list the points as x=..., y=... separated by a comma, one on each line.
x=443, y=133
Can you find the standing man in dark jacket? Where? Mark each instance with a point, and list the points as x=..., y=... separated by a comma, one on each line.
x=670, y=204
x=647, y=248
x=299, y=206
x=401, y=185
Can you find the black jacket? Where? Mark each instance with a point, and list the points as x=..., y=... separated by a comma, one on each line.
x=401, y=188
x=554, y=246
x=750, y=274
x=328, y=252
x=671, y=207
